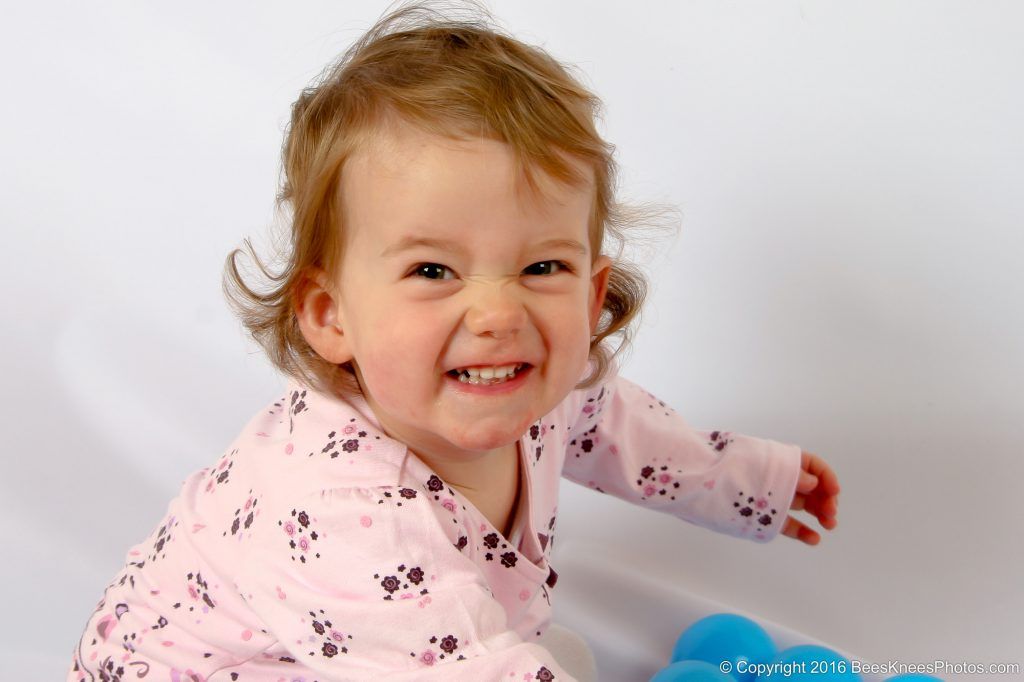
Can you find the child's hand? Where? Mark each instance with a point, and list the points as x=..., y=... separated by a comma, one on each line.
x=817, y=492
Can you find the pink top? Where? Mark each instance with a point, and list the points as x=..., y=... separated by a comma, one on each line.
x=317, y=548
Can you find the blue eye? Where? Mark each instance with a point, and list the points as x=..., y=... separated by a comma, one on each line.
x=433, y=271
x=546, y=267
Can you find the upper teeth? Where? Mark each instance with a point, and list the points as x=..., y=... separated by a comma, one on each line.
x=490, y=372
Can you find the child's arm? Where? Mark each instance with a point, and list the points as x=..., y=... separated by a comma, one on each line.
x=625, y=442
x=362, y=583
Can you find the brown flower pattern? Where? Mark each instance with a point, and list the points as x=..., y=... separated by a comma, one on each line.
x=332, y=640
x=164, y=535
x=393, y=583
x=347, y=441
x=243, y=517
x=220, y=474
x=751, y=509
x=447, y=644
x=658, y=482
x=301, y=535
x=719, y=440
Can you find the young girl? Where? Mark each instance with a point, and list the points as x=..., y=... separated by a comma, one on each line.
x=443, y=318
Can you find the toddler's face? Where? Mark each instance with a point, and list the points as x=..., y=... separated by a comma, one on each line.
x=447, y=269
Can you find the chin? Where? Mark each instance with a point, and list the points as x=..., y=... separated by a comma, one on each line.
x=483, y=438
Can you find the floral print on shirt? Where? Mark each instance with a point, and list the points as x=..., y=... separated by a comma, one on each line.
x=316, y=545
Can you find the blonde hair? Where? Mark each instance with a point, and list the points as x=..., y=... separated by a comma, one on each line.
x=452, y=77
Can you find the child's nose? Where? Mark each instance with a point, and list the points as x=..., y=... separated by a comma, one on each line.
x=495, y=308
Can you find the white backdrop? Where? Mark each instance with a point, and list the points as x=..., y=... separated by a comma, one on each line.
x=848, y=278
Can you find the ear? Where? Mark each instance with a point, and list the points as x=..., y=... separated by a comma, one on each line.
x=318, y=313
x=601, y=269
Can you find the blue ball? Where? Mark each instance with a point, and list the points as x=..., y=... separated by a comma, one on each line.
x=913, y=677
x=725, y=637
x=691, y=671
x=810, y=663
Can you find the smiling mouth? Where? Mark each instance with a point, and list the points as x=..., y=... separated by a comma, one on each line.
x=488, y=376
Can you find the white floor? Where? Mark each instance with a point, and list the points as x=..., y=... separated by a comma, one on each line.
x=631, y=622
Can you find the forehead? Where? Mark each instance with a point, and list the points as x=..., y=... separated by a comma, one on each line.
x=403, y=178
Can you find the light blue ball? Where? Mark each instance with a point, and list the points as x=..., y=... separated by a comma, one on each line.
x=725, y=637
x=810, y=663
x=914, y=677
x=691, y=671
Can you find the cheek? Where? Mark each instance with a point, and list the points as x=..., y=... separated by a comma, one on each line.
x=567, y=330
x=395, y=334
x=571, y=317
x=395, y=349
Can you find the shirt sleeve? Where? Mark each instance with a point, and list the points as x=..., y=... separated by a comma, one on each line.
x=626, y=442
x=361, y=584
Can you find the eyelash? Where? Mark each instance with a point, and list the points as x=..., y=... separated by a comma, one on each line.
x=562, y=267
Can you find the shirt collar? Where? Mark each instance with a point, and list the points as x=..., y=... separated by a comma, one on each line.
x=345, y=435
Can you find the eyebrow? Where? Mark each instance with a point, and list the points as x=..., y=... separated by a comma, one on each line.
x=411, y=242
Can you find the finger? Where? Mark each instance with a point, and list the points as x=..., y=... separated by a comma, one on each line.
x=829, y=480
x=805, y=503
x=806, y=482
x=824, y=508
x=806, y=458
x=815, y=465
x=798, y=531
x=831, y=506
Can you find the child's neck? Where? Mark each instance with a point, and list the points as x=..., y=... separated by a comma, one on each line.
x=479, y=474
x=491, y=482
